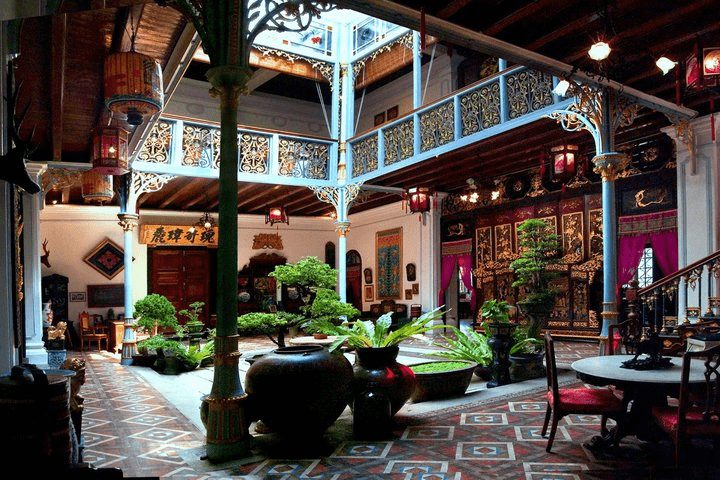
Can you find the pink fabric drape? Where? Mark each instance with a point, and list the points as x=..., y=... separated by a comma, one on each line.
x=465, y=266
x=630, y=251
x=446, y=271
x=665, y=250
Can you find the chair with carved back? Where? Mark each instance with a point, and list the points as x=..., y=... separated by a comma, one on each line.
x=623, y=337
x=89, y=333
x=698, y=410
x=581, y=400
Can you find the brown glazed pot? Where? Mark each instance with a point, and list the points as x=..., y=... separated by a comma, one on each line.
x=379, y=366
x=447, y=384
x=300, y=390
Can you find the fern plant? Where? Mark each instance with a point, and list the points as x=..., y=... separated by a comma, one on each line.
x=471, y=346
x=366, y=334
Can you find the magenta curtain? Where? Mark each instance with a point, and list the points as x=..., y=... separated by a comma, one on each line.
x=446, y=271
x=465, y=266
x=630, y=251
x=665, y=249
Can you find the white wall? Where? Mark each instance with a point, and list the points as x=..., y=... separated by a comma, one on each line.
x=400, y=92
x=73, y=231
x=191, y=99
x=415, y=250
x=698, y=201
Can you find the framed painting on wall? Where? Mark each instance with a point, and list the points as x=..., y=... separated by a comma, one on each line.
x=388, y=247
x=369, y=293
x=107, y=258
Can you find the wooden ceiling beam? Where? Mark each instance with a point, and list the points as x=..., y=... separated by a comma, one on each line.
x=263, y=190
x=57, y=83
x=652, y=26
x=517, y=16
x=566, y=29
x=207, y=193
x=452, y=8
x=187, y=187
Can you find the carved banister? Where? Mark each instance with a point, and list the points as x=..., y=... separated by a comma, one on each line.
x=679, y=274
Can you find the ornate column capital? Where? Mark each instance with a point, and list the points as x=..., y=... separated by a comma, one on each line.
x=610, y=165
x=342, y=228
x=128, y=221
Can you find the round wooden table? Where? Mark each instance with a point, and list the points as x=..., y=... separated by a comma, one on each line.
x=644, y=388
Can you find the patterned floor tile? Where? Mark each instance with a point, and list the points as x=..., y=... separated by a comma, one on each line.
x=495, y=451
x=89, y=423
x=284, y=468
x=161, y=435
x=93, y=438
x=101, y=459
x=525, y=407
x=482, y=418
x=139, y=407
x=166, y=453
x=415, y=466
x=149, y=419
x=428, y=433
x=532, y=434
x=132, y=398
x=363, y=450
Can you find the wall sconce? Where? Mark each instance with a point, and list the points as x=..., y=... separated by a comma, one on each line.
x=665, y=64
x=563, y=158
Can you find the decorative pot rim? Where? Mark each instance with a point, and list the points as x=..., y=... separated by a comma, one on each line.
x=298, y=349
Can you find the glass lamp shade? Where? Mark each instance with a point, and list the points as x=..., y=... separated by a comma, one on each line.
x=599, y=51
x=418, y=199
x=96, y=187
x=276, y=215
x=133, y=85
x=563, y=157
x=110, y=151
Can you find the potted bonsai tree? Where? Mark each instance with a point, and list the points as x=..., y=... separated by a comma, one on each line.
x=194, y=324
x=273, y=325
x=540, y=248
x=327, y=306
x=307, y=275
x=154, y=311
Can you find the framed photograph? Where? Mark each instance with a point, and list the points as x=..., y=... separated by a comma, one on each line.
x=415, y=288
x=392, y=113
x=410, y=272
x=408, y=294
x=379, y=119
x=369, y=293
x=78, y=297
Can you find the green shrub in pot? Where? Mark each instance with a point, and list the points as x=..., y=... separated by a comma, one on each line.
x=154, y=311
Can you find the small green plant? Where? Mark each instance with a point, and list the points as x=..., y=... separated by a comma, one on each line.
x=151, y=343
x=270, y=324
x=433, y=367
x=472, y=346
x=495, y=311
x=194, y=355
x=366, y=334
x=155, y=311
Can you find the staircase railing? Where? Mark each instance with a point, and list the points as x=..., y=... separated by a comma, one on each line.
x=658, y=304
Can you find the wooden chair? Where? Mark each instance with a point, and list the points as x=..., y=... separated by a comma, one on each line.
x=697, y=415
x=583, y=400
x=89, y=333
x=629, y=333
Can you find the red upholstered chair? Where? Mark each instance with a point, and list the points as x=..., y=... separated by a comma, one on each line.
x=698, y=410
x=582, y=400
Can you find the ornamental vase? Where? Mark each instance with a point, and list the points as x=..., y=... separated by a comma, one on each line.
x=299, y=390
x=379, y=366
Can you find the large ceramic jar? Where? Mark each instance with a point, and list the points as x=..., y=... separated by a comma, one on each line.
x=380, y=367
x=300, y=390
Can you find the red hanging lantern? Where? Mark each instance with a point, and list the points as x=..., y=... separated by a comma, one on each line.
x=96, y=187
x=418, y=199
x=277, y=215
x=133, y=85
x=563, y=158
x=110, y=151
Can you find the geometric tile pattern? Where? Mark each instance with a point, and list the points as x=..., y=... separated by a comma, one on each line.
x=135, y=429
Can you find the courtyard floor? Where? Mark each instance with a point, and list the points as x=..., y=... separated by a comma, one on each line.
x=147, y=425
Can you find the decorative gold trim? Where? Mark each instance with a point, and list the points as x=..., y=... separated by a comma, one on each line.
x=610, y=165
x=128, y=221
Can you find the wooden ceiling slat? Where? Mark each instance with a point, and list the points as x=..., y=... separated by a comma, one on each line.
x=184, y=190
x=57, y=83
x=517, y=16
